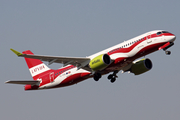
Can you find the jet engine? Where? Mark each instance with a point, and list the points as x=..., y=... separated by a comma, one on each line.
x=100, y=62
x=141, y=66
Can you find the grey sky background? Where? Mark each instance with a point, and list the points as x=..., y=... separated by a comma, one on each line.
x=80, y=28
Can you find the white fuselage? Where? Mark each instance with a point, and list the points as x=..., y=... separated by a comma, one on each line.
x=133, y=48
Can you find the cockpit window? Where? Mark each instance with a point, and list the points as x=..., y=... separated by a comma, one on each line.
x=158, y=33
x=165, y=32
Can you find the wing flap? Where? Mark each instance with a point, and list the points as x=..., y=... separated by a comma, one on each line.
x=30, y=82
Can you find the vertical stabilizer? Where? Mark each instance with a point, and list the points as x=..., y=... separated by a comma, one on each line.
x=36, y=66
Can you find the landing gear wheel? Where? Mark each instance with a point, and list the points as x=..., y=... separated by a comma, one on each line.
x=110, y=76
x=168, y=52
x=113, y=80
x=97, y=76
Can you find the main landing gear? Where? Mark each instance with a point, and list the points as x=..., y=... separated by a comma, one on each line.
x=97, y=76
x=113, y=76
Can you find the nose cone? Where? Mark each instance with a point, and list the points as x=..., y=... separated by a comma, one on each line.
x=172, y=38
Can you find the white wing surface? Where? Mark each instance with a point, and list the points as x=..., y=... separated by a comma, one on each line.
x=77, y=61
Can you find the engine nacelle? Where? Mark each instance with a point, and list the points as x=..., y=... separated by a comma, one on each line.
x=141, y=66
x=100, y=62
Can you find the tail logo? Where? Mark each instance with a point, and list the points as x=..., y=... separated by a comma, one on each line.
x=38, y=69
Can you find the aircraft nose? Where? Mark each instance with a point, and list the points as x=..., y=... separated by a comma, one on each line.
x=173, y=38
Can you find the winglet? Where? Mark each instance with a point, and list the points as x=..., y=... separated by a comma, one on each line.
x=16, y=52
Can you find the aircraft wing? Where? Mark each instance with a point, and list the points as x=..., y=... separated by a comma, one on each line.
x=77, y=61
x=30, y=82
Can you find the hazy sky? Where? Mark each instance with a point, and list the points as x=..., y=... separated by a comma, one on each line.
x=80, y=28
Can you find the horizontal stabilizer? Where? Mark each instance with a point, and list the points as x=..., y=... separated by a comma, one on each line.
x=30, y=82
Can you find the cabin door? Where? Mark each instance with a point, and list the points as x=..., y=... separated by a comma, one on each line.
x=51, y=77
x=149, y=40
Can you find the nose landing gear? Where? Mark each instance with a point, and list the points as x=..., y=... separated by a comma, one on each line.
x=168, y=52
x=166, y=47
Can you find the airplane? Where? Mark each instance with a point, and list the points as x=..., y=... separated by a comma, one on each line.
x=121, y=57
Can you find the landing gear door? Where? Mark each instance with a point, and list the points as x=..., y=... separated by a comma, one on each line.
x=149, y=40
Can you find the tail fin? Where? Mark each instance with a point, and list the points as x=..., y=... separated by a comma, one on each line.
x=36, y=66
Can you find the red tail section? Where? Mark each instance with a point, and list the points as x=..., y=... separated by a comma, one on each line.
x=36, y=67
x=31, y=62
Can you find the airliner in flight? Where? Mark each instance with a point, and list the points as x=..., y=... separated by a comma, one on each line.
x=121, y=57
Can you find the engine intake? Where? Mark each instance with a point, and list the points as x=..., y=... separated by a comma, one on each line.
x=141, y=66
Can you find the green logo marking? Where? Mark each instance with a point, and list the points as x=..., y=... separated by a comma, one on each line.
x=96, y=61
